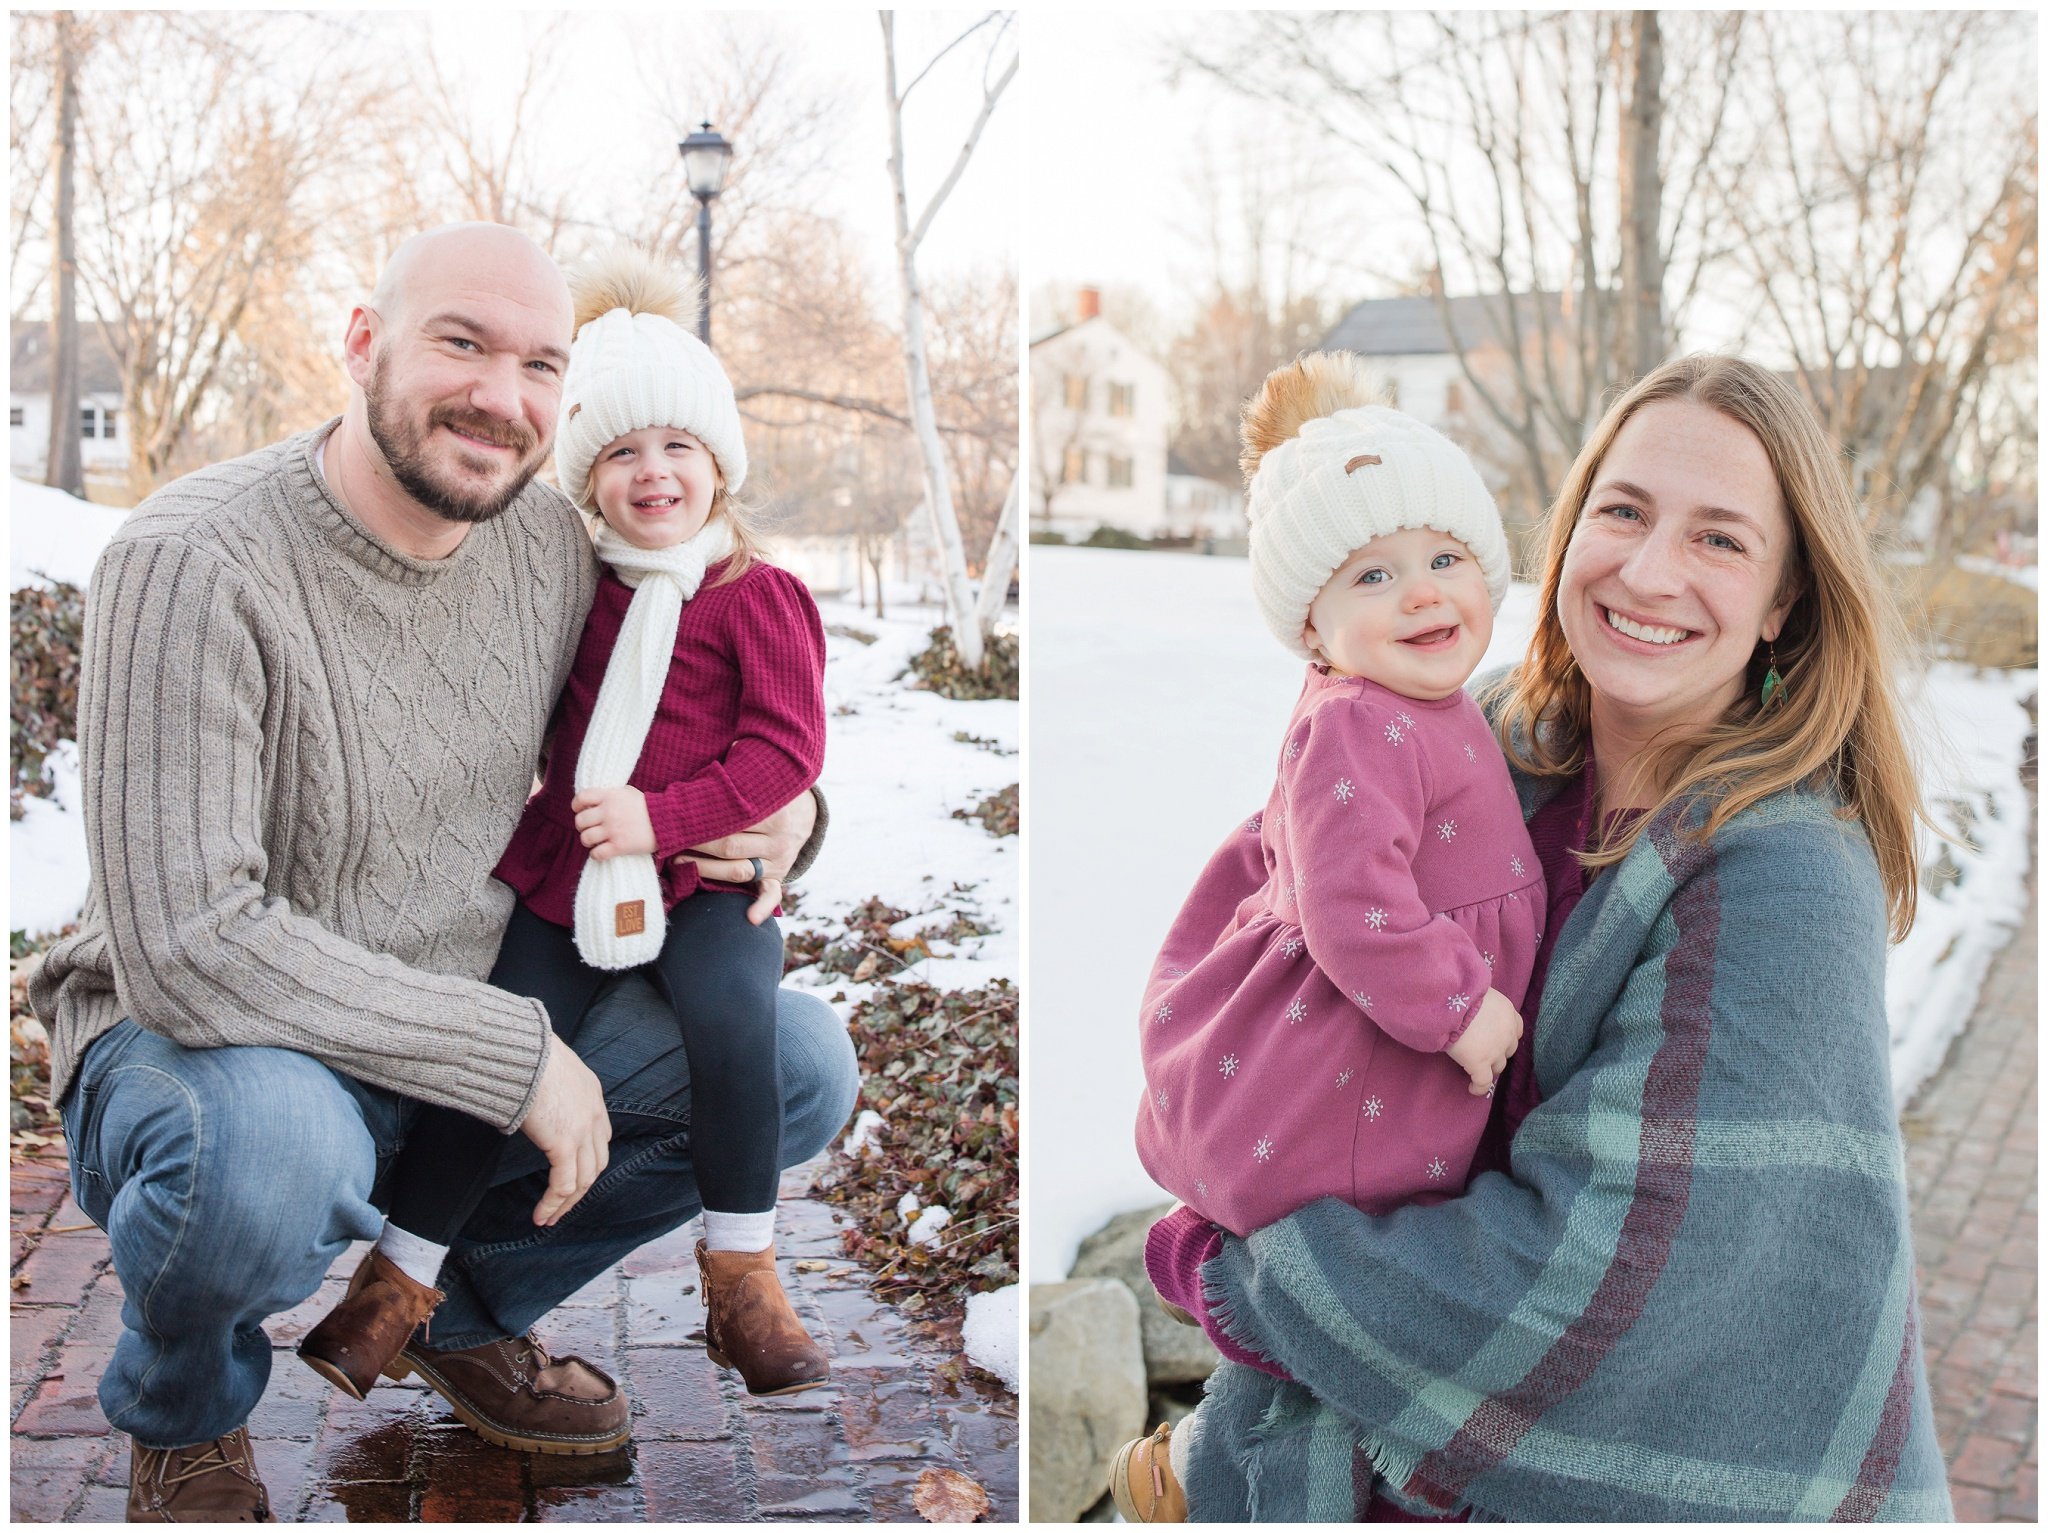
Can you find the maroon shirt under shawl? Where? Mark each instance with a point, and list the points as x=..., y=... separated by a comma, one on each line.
x=739, y=732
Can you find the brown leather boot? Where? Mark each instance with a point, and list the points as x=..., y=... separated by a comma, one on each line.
x=207, y=1482
x=514, y=1394
x=362, y=1336
x=748, y=1324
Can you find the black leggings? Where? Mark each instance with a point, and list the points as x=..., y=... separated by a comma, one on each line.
x=719, y=972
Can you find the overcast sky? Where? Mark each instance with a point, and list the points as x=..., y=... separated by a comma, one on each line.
x=602, y=107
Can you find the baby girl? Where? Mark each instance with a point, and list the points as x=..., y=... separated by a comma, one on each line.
x=1338, y=1035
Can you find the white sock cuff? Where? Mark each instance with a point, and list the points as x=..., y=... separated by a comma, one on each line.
x=414, y=1255
x=739, y=1232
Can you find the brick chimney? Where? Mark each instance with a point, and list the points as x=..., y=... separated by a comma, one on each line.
x=1087, y=305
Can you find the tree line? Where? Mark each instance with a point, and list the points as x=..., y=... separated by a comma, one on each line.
x=214, y=192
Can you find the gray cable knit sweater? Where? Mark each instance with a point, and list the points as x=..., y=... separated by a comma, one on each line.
x=303, y=753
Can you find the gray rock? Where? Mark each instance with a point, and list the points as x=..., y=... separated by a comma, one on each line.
x=18, y=1118
x=1174, y=1353
x=1087, y=1392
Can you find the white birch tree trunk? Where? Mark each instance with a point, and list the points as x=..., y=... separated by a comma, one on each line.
x=960, y=605
x=997, y=568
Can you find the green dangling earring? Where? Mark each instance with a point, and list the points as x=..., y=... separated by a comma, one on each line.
x=1773, y=682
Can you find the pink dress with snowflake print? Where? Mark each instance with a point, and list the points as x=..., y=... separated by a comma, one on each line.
x=1294, y=1043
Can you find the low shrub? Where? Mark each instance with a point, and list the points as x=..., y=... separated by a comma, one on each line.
x=47, y=625
x=938, y=669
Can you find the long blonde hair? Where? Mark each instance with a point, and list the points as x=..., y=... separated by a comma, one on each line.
x=1837, y=722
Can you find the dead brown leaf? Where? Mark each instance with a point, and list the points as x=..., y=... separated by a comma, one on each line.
x=945, y=1495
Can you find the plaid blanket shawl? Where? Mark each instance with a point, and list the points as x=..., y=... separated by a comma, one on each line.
x=1693, y=1299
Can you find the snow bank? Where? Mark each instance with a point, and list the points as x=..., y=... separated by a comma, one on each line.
x=1160, y=694
x=2028, y=575
x=1971, y=728
x=990, y=1334
x=54, y=536
x=46, y=867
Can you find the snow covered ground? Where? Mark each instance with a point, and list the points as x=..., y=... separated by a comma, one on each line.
x=1157, y=696
x=894, y=774
x=53, y=536
x=990, y=1334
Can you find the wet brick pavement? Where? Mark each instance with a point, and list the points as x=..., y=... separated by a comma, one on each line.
x=1970, y=1142
x=902, y=1401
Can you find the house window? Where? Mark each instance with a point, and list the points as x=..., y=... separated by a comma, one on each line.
x=88, y=422
x=107, y=425
x=1074, y=469
x=14, y=415
x=1077, y=391
x=1119, y=473
x=1123, y=399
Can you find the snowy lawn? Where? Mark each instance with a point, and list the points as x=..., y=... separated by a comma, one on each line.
x=897, y=764
x=1158, y=696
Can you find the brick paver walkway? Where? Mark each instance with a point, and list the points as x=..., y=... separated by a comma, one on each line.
x=903, y=1400
x=1970, y=1163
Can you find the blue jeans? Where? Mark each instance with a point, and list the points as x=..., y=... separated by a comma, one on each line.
x=228, y=1180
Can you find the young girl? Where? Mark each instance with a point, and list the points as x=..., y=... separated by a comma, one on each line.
x=1339, y=1034
x=694, y=710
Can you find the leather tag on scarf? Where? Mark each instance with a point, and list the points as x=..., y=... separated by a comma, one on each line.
x=630, y=918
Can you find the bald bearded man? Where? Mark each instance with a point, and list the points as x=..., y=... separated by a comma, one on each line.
x=315, y=686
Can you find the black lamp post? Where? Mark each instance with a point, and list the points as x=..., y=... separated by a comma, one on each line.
x=706, y=158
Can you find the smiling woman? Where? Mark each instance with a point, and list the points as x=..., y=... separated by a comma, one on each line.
x=1708, y=513
x=1693, y=1175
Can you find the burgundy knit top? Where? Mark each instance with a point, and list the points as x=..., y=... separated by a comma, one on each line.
x=738, y=733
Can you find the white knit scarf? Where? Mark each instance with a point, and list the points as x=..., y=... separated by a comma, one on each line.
x=620, y=922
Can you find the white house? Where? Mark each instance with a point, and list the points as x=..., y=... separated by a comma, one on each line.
x=103, y=444
x=1411, y=346
x=1099, y=429
x=1200, y=508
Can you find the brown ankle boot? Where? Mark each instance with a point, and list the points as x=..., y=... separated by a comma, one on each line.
x=748, y=1324
x=207, y=1482
x=363, y=1335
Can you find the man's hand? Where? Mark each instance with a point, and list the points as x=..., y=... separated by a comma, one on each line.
x=569, y=1125
x=765, y=901
x=1483, y=1048
x=775, y=841
x=613, y=821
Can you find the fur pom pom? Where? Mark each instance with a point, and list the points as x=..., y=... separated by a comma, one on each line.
x=1321, y=383
x=626, y=277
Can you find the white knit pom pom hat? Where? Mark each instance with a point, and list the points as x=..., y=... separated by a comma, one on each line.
x=1328, y=472
x=635, y=363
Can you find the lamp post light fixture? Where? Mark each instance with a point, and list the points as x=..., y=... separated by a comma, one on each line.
x=706, y=158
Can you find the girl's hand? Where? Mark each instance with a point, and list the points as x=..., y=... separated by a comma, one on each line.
x=613, y=822
x=1484, y=1048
